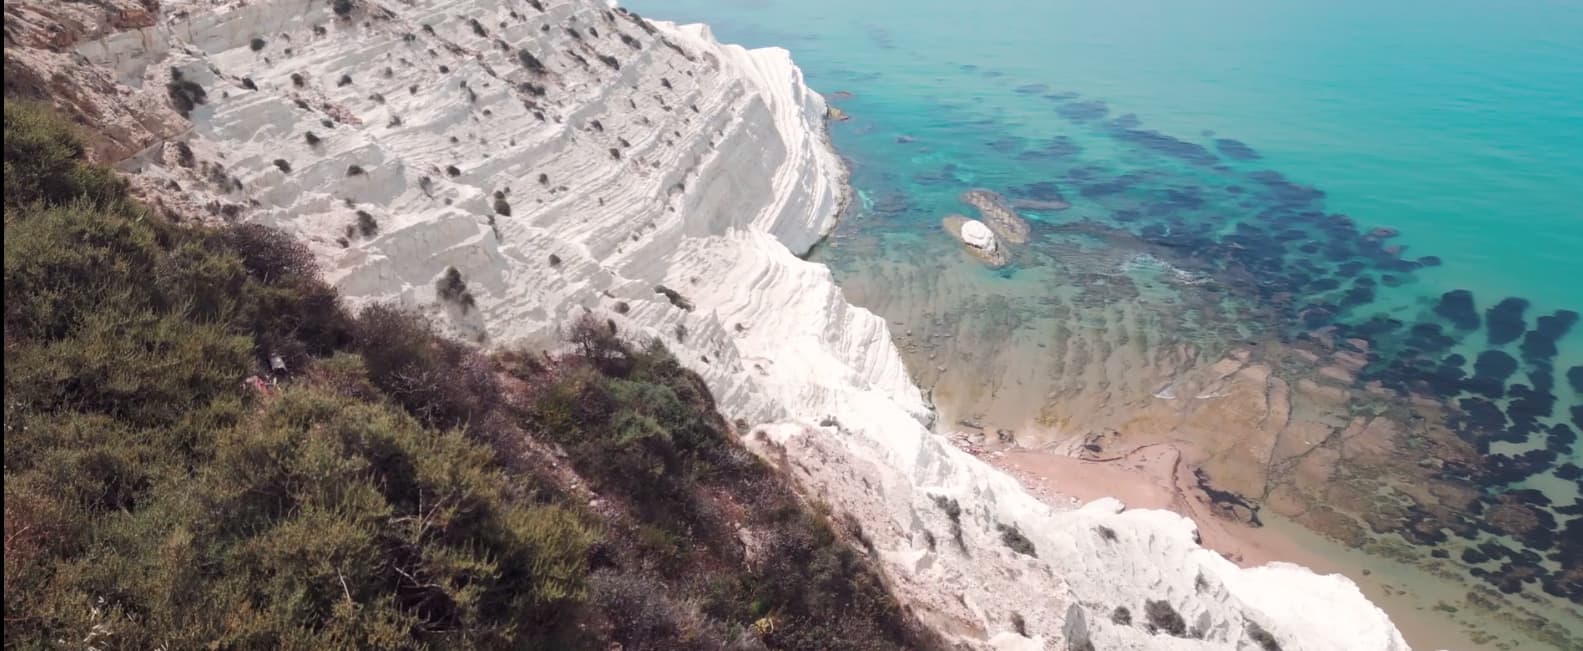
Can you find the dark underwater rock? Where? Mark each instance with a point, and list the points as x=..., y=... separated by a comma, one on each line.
x=1495, y=364
x=1284, y=190
x=1084, y=111
x=1430, y=338
x=1540, y=343
x=1569, y=471
x=1456, y=306
x=1126, y=121
x=1168, y=145
x=1480, y=415
x=1505, y=321
x=1236, y=149
x=1560, y=439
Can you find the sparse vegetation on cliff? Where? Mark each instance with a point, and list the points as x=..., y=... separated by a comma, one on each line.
x=203, y=448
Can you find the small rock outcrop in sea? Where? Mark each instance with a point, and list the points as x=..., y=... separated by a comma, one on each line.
x=978, y=238
x=999, y=215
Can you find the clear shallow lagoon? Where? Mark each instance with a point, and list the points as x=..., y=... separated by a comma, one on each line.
x=1208, y=150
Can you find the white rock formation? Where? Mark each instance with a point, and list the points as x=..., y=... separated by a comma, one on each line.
x=644, y=155
x=977, y=235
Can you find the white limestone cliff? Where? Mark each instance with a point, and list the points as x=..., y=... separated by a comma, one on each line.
x=644, y=156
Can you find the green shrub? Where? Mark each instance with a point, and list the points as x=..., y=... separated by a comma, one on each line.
x=451, y=288
x=367, y=226
x=185, y=94
x=1163, y=617
x=1262, y=637
x=390, y=491
x=1012, y=537
x=529, y=61
x=953, y=511
x=674, y=297
x=44, y=161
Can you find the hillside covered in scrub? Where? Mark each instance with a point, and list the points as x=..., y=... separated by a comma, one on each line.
x=203, y=448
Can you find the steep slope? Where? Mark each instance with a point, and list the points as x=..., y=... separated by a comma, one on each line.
x=564, y=158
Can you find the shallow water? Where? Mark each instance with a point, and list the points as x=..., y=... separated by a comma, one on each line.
x=1227, y=166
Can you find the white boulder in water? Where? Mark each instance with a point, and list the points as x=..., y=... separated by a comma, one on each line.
x=977, y=235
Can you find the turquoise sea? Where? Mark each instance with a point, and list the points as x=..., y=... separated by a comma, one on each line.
x=1208, y=176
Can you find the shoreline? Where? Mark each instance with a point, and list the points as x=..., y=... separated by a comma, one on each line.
x=1150, y=476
